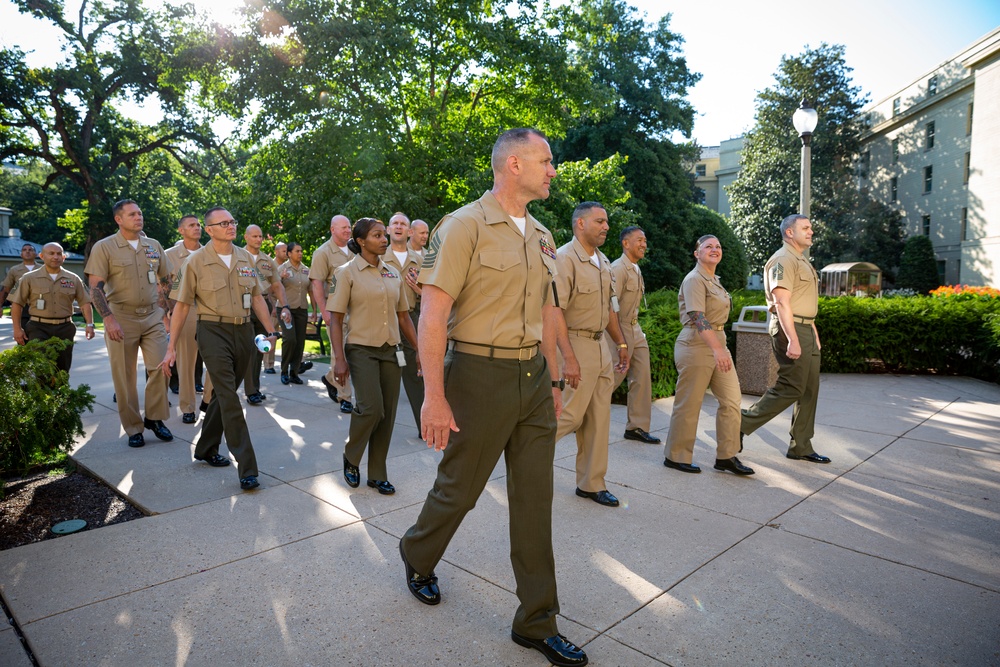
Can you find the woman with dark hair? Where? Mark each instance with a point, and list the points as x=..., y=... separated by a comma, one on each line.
x=370, y=291
x=295, y=278
x=703, y=361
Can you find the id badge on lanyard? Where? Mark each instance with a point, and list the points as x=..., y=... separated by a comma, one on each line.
x=400, y=358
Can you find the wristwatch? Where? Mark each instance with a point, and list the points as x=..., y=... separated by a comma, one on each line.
x=561, y=383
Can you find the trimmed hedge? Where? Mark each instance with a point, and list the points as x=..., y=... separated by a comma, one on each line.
x=958, y=335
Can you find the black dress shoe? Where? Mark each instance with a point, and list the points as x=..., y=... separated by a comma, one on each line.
x=269, y=371
x=383, y=487
x=683, y=467
x=346, y=407
x=305, y=366
x=199, y=388
x=295, y=379
x=331, y=391
x=249, y=482
x=158, y=429
x=423, y=588
x=136, y=440
x=557, y=649
x=284, y=379
x=641, y=436
x=814, y=457
x=351, y=474
x=255, y=399
x=733, y=465
x=600, y=497
x=189, y=418
x=215, y=460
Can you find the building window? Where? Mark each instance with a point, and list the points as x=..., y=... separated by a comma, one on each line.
x=866, y=161
x=894, y=189
x=925, y=224
x=968, y=121
x=895, y=151
x=699, y=170
x=942, y=267
x=932, y=85
x=929, y=136
x=965, y=224
x=895, y=107
x=928, y=178
x=965, y=172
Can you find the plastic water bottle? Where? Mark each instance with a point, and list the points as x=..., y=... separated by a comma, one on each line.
x=288, y=324
x=262, y=343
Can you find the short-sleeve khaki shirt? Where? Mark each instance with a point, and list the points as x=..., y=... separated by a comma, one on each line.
x=14, y=274
x=789, y=269
x=126, y=271
x=267, y=271
x=177, y=254
x=629, y=288
x=372, y=295
x=498, y=278
x=584, y=290
x=296, y=282
x=413, y=260
x=58, y=295
x=325, y=260
x=701, y=292
x=218, y=290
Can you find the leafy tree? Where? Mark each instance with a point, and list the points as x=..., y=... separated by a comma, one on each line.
x=37, y=209
x=66, y=115
x=733, y=269
x=918, y=266
x=641, y=73
x=767, y=188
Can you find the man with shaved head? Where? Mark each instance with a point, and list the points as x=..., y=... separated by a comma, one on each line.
x=277, y=304
x=47, y=295
x=328, y=257
x=419, y=231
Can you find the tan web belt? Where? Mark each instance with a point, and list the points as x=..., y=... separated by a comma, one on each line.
x=494, y=352
x=583, y=333
x=223, y=320
x=46, y=320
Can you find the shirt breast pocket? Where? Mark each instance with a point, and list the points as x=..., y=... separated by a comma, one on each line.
x=121, y=266
x=500, y=274
x=216, y=293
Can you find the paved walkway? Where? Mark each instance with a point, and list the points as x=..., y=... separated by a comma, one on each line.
x=890, y=555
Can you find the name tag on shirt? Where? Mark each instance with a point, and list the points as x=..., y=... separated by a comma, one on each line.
x=151, y=275
x=40, y=304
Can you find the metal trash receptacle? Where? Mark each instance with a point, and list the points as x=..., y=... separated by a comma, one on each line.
x=755, y=362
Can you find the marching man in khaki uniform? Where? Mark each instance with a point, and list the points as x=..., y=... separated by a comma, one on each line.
x=221, y=282
x=129, y=284
x=280, y=257
x=791, y=287
x=631, y=289
x=586, y=299
x=47, y=295
x=325, y=260
x=407, y=264
x=274, y=293
x=14, y=274
x=189, y=228
x=486, y=286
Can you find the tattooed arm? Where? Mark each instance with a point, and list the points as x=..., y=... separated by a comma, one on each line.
x=723, y=360
x=111, y=327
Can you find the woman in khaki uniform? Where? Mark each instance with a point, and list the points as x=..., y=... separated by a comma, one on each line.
x=372, y=294
x=703, y=361
x=295, y=278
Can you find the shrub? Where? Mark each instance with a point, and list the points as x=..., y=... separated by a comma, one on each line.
x=41, y=412
x=918, y=267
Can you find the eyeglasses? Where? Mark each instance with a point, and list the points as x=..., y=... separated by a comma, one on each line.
x=225, y=223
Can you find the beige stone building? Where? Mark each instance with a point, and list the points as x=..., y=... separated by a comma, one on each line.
x=717, y=168
x=932, y=150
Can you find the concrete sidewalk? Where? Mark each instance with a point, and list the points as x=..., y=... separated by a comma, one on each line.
x=890, y=555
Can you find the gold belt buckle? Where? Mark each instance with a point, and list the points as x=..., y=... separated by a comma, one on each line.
x=524, y=353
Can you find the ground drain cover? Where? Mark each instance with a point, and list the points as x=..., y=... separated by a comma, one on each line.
x=67, y=527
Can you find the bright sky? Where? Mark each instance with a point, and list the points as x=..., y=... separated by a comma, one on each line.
x=737, y=44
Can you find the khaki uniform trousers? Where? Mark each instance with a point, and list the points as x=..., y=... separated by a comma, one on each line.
x=145, y=332
x=587, y=410
x=696, y=372
x=66, y=331
x=640, y=391
x=503, y=406
x=376, y=398
x=225, y=350
x=187, y=355
x=798, y=383
x=412, y=383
